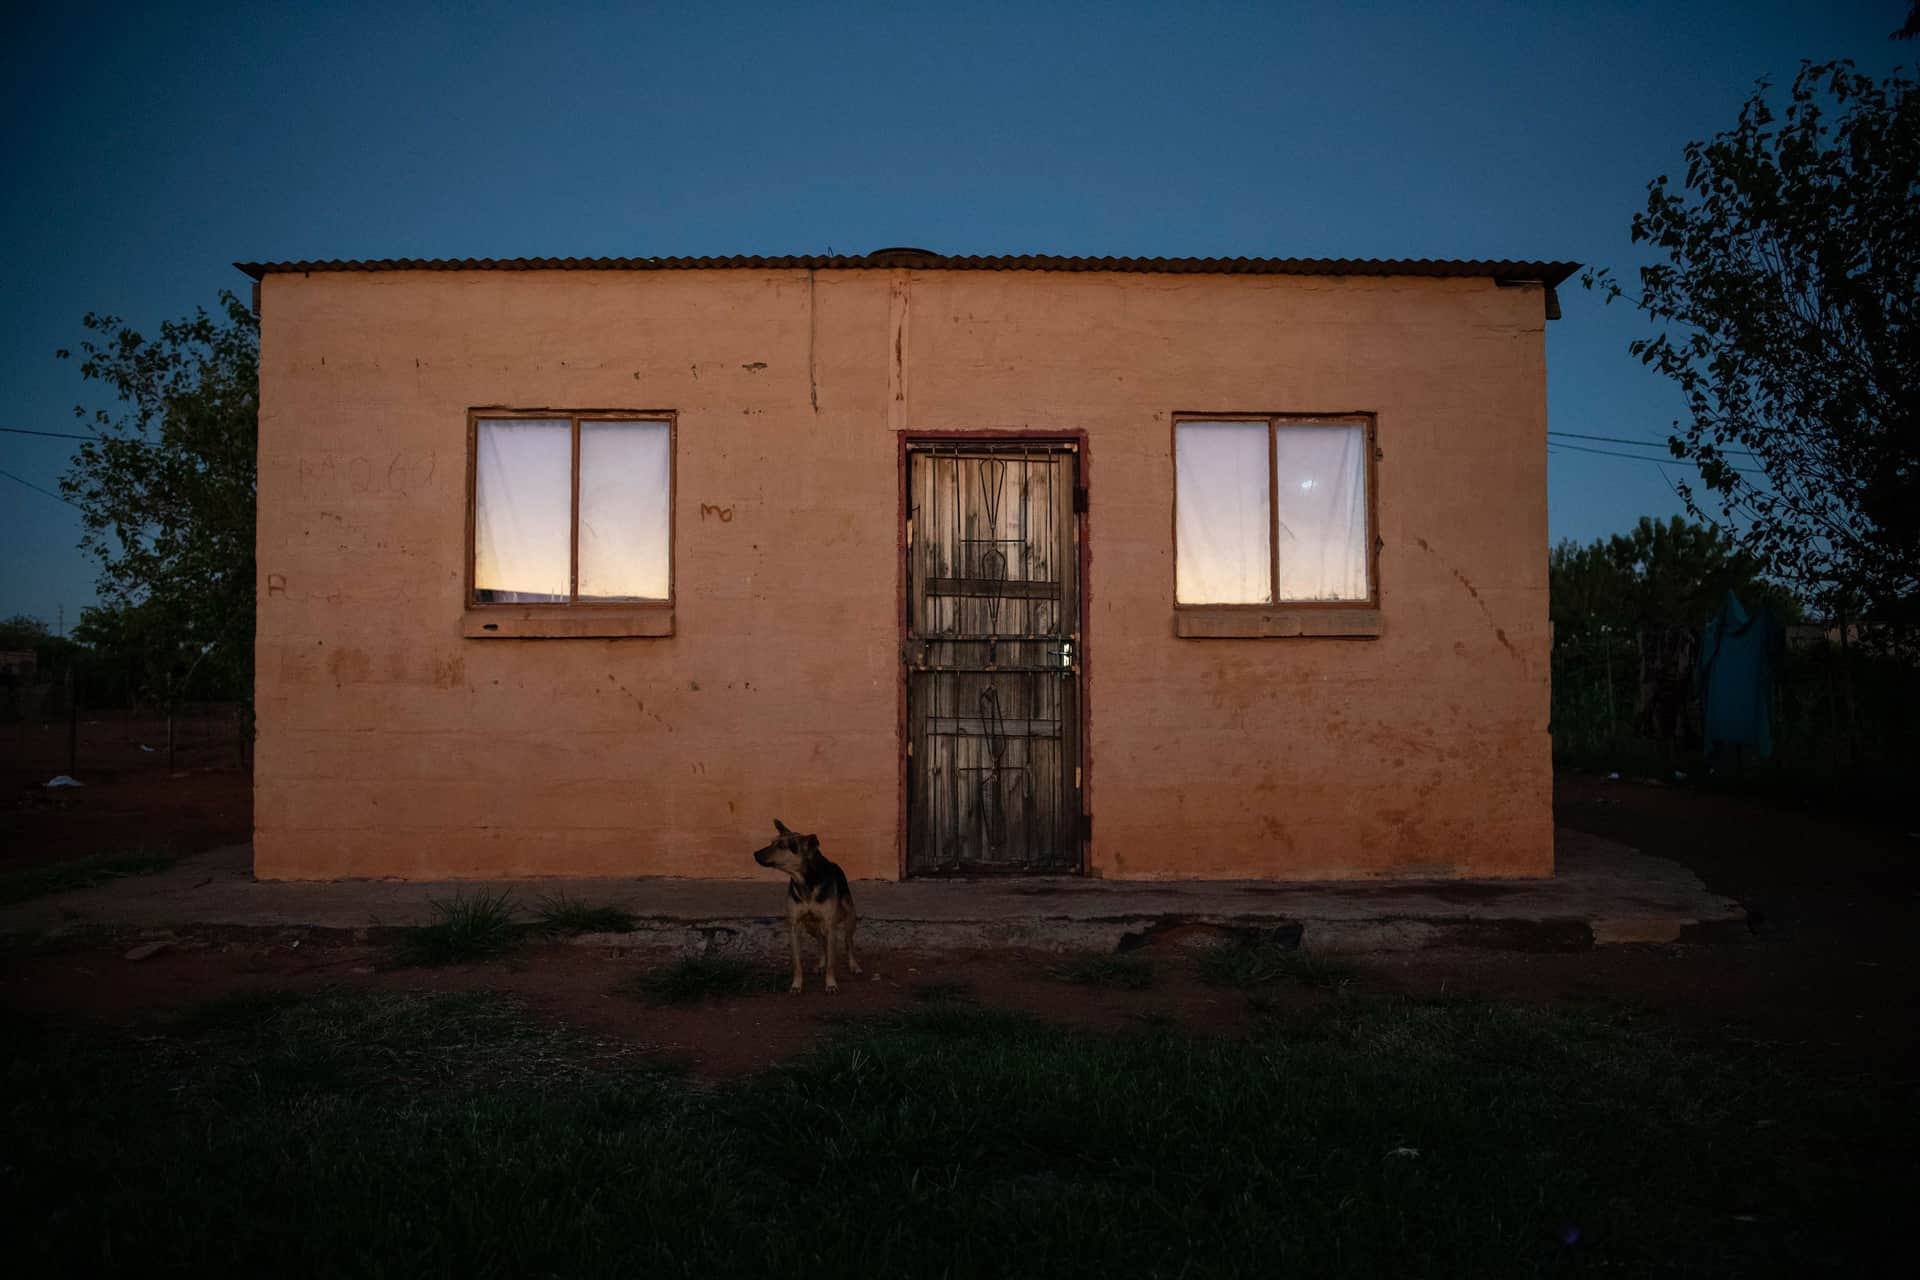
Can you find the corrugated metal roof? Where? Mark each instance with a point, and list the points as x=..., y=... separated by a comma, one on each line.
x=1546, y=273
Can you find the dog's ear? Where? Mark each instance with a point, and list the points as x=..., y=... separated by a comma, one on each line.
x=781, y=827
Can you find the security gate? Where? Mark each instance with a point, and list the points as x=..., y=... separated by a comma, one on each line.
x=993, y=669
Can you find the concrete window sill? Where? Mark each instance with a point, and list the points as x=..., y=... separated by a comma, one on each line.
x=1232, y=622
x=566, y=623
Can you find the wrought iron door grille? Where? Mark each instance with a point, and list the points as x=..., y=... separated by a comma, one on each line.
x=993, y=674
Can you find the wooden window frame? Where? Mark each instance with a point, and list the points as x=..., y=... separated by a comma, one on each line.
x=573, y=617
x=1358, y=619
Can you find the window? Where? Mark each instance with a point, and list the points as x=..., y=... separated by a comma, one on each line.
x=1272, y=511
x=571, y=510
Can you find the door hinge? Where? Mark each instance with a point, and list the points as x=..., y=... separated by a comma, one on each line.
x=1080, y=499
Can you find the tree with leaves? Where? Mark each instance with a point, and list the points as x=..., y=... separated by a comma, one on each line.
x=1783, y=304
x=1627, y=614
x=23, y=631
x=1671, y=573
x=166, y=494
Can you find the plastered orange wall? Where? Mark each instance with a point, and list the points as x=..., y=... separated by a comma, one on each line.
x=391, y=746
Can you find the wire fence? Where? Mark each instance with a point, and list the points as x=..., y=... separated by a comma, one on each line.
x=47, y=728
x=1631, y=698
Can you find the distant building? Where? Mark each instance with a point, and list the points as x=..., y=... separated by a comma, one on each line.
x=19, y=664
x=577, y=567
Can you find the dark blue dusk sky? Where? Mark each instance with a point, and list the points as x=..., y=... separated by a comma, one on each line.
x=146, y=149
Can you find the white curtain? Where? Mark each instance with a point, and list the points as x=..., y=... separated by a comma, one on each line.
x=523, y=502
x=625, y=504
x=1220, y=473
x=1322, y=494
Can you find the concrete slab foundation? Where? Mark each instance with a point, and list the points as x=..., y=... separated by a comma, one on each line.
x=1603, y=894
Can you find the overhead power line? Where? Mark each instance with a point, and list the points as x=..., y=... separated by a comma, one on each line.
x=37, y=489
x=57, y=435
x=1637, y=457
x=1644, y=444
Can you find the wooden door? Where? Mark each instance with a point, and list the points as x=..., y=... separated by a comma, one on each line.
x=993, y=668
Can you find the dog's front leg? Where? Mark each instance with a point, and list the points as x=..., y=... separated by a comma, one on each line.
x=832, y=934
x=793, y=939
x=846, y=945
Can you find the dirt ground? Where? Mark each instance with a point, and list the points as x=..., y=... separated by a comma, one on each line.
x=1825, y=979
x=578, y=987
x=131, y=800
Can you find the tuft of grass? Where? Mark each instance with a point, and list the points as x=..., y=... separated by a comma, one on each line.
x=1249, y=966
x=81, y=873
x=1127, y=973
x=694, y=979
x=567, y=916
x=475, y=926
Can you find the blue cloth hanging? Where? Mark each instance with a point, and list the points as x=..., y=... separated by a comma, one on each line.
x=1739, y=652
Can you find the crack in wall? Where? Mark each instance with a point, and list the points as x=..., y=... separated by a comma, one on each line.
x=1499, y=632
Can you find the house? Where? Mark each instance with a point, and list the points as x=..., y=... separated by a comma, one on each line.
x=1127, y=568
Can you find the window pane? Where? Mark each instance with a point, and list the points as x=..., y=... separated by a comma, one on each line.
x=523, y=502
x=1220, y=470
x=624, y=510
x=1322, y=473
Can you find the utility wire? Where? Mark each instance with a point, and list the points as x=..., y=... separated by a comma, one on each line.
x=1644, y=444
x=37, y=489
x=1637, y=457
x=57, y=435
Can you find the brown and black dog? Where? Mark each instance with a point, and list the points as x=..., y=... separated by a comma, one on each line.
x=818, y=899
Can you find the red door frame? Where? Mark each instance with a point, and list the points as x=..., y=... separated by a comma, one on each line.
x=1083, y=472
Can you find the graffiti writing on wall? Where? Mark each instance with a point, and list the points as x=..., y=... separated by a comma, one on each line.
x=330, y=474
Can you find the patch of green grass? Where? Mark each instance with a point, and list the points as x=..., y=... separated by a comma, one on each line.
x=1249, y=966
x=1372, y=1136
x=80, y=873
x=696, y=979
x=356, y=1042
x=402, y=1043
x=1129, y=973
x=477, y=926
x=239, y=1010
x=564, y=915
